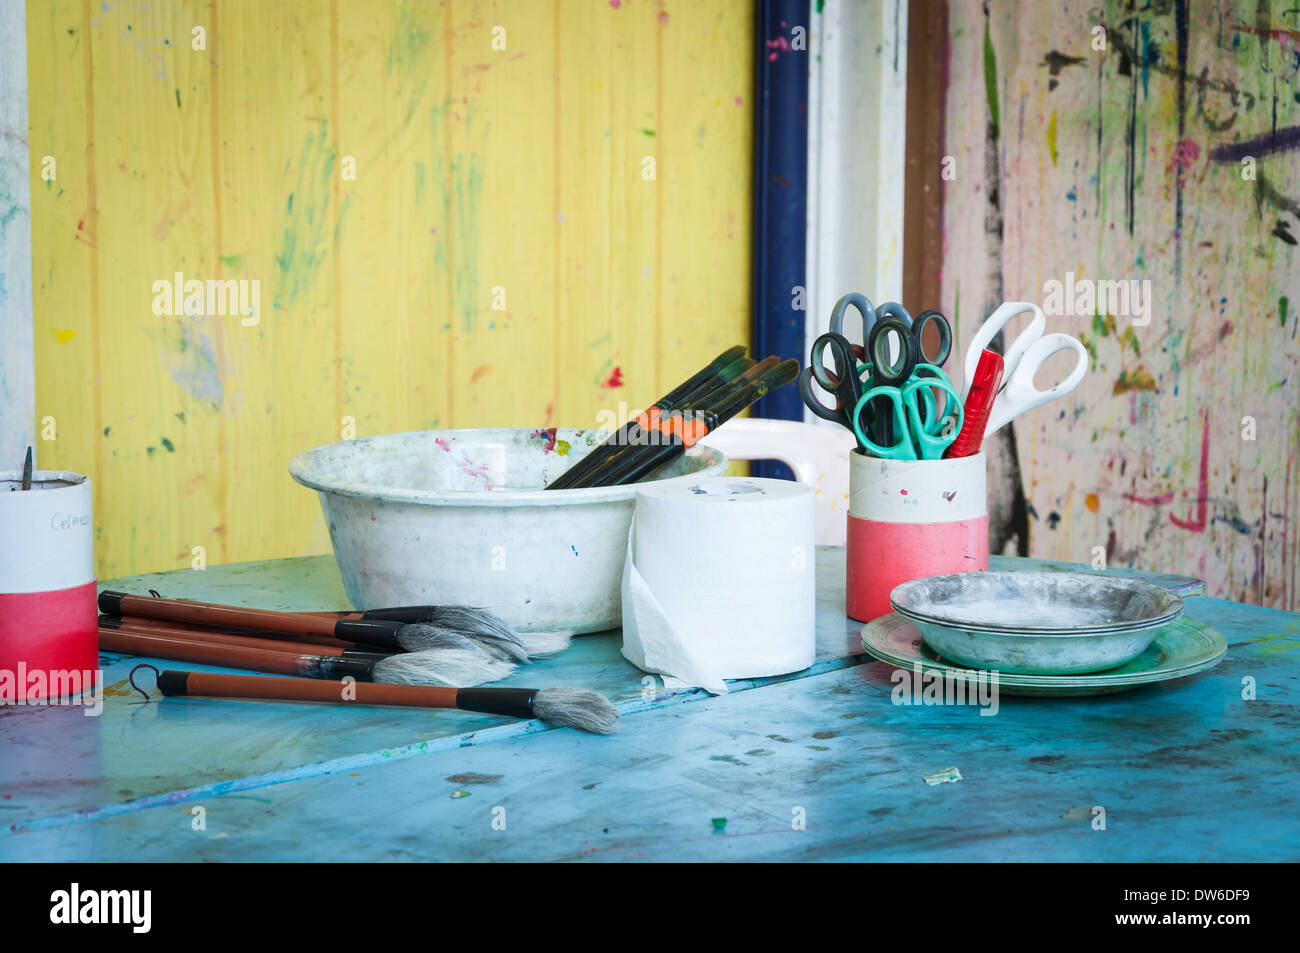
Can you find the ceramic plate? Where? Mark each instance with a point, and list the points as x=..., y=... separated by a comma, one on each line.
x=1182, y=648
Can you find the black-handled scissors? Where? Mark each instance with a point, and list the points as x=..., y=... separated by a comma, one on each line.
x=869, y=317
x=842, y=380
x=910, y=347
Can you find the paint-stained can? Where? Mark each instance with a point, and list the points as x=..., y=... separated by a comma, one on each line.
x=909, y=519
x=49, y=643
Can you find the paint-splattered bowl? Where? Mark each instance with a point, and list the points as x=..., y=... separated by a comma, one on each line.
x=462, y=517
x=1046, y=623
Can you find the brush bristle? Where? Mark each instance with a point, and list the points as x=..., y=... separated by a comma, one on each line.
x=456, y=668
x=578, y=708
x=482, y=628
x=539, y=644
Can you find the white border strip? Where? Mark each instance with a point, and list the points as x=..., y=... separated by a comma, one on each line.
x=17, y=360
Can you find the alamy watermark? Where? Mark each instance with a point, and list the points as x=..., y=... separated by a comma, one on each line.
x=932, y=687
x=178, y=297
x=39, y=686
x=1126, y=298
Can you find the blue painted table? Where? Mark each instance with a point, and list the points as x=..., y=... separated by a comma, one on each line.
x=820, y=765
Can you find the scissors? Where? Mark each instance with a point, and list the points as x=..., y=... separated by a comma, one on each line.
x=843, y=381
x=919, y=438
x=1023, y=359
x=911, y=351
x=864, y=308
x=910, y=356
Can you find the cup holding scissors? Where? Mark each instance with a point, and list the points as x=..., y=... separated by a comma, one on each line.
x=1022, y=362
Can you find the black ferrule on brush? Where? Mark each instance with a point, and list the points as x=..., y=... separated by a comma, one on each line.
x=171, y=682
x=515, y=702
x=400, y=614
x=110, y=602
x=338, y=668
x=370, y=631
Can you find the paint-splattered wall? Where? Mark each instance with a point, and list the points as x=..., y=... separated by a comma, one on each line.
x=1126, y=162
x=589, y=180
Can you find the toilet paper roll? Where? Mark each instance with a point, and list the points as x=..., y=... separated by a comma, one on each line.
x=719, y=580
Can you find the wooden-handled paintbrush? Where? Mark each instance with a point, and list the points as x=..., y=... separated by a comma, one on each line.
x=447, y=667
x=707, y=376
x=658, y=426
x=682, y=434
x=441, y=626
x=297, y=644
x=576, y=707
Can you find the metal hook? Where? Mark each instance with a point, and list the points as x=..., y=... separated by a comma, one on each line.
x=156, y=673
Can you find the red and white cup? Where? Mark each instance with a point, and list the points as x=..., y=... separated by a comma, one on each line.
x=49, y=639
x=909, y=519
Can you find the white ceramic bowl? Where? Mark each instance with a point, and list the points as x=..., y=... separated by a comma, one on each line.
x=460, y=517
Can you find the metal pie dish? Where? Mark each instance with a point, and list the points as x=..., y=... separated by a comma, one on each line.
x=1045, y=623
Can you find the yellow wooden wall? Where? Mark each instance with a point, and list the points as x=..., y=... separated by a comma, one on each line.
x=476, y=169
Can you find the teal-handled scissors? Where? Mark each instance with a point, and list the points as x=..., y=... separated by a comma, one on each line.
x=916, y=436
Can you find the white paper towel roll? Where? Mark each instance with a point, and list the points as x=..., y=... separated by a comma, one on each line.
x=719, y=580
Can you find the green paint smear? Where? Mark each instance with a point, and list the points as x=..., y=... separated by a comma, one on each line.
x=306, y=216
x=233, y=262
x=409, y=40
x=1282, y=304
x=168, y=444
x=648, y=132
x=991, y=79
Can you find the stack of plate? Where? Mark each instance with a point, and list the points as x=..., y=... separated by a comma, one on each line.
x=1045, y=633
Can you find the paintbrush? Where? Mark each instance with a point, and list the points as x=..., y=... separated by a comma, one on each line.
x=490, y=632
x=449, y=626
x=450, y=667
x=654, y=434
x=312, y=640
x=576, y=707
x=27, y=470
x=704, y=376
x=683, y=434
x=298, y=644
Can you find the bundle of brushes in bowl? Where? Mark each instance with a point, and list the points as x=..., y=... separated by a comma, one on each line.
x=463, y=517
x=529, y=524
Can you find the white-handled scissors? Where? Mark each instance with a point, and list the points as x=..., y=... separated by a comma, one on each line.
x=1022, y=361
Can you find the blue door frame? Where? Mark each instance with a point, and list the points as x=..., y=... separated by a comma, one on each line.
x=780, y=198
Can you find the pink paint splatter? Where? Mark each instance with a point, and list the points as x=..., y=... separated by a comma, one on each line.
x=615, y=379
x=777, y=46
x=740, y=100
x=548, y=435
x=1185, y=154
x=904, y=492
x=615, y=4
x=442, y=443
x=663, y=16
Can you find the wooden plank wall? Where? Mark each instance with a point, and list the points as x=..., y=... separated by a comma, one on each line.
x=515, y=177
x=1125, y=163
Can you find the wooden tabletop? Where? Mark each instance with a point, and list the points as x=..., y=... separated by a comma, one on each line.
x=817, y=765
